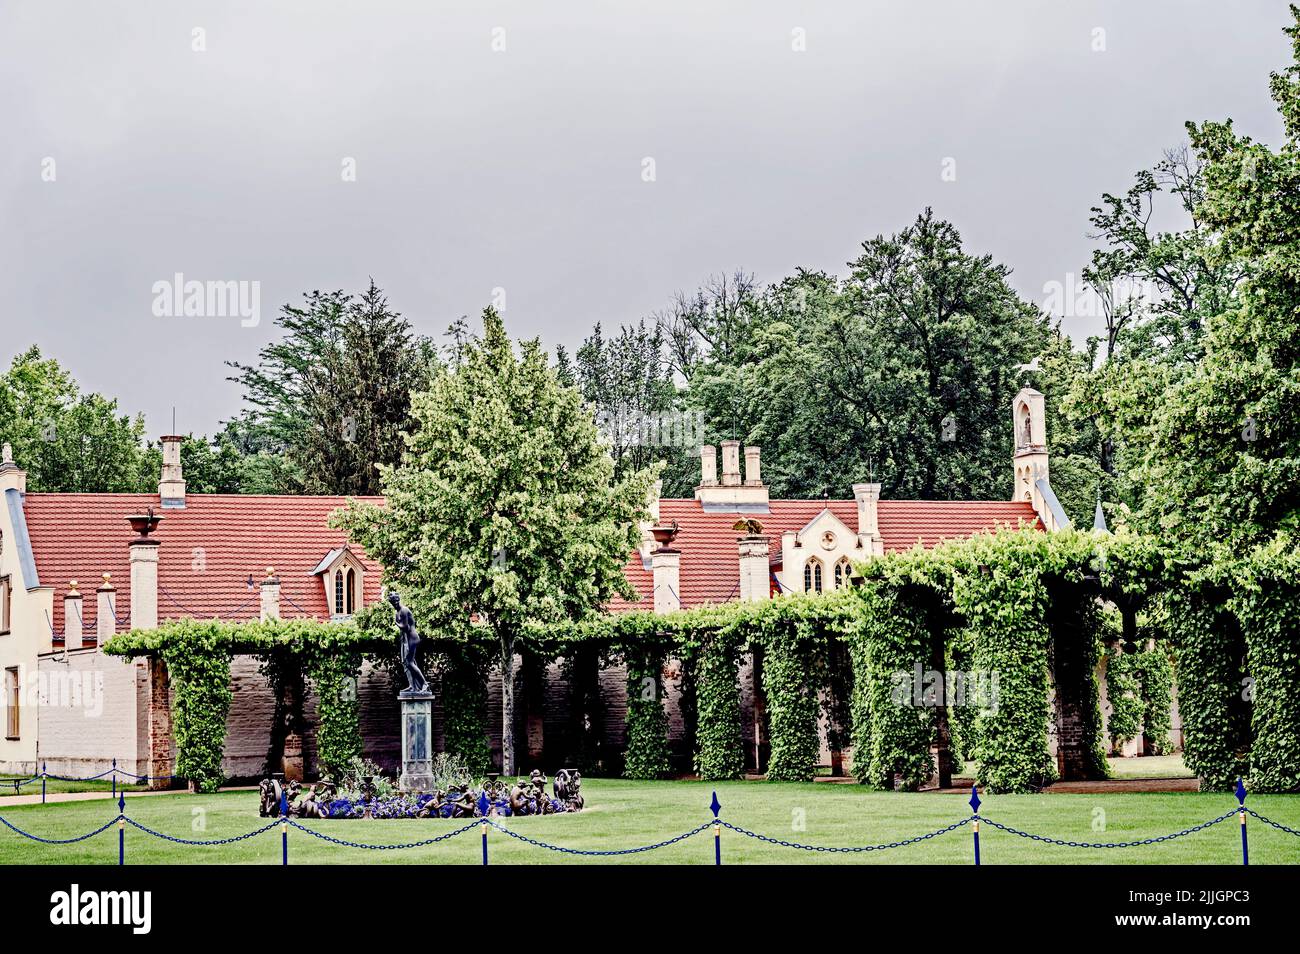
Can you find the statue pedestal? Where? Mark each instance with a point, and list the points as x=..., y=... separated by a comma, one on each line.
x=417, y=741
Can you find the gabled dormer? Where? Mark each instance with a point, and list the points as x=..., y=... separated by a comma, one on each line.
x=820, y=556
x=343, y=577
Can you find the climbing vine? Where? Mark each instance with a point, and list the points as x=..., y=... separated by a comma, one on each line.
x=718, y=753
x=197, y=655
x=1266, y=600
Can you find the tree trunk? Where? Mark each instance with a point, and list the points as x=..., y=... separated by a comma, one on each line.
x=507, y=705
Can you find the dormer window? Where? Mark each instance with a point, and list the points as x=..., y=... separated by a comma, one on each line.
x=343, y=577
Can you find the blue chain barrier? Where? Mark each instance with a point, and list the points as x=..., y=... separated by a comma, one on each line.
x=849, y=850
x=356, y=844
x=593, y=852
x=487, y=822
x=1112, y=844
x=1268, y=821
x=187, y=841
x=57, y=841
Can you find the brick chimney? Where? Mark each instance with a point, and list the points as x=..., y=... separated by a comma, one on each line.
x=105, y=610
x=270, y=596
x=867, y=497
x=171, y=488
x=74, y=619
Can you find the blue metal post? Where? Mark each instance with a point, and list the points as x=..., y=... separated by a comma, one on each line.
x=121, y=829
x=42, y=783
x=975, y=816
x=284, y=827
x=715, y=807
x=483, y=808
x=1241, y=802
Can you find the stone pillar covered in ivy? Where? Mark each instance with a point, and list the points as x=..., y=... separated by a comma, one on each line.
x=720, y=753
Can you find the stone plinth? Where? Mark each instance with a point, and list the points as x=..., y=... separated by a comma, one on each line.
x=417, y=741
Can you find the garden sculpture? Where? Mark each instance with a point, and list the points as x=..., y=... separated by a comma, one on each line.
x=408, y=645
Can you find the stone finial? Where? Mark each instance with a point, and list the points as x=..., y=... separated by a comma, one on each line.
x=72, y=588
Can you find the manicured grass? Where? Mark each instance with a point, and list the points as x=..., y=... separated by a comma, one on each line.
x=1150, y=766
x=54, y=786
x=625, y=814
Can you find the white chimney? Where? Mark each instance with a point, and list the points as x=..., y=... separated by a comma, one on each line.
x=171, y=488
x=754, y=568
x=867, y=497
x=731, y=463
x=105, y=611
x=753, y=475
x=270, y=596
x=666, y=568
x=144, y=573
x=74, y=620
x=708, y=466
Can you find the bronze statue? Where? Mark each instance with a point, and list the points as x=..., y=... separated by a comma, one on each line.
x=568, y=789
x=408, y=643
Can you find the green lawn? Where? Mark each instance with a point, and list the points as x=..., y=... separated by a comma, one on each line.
x=624, y=814
x=1150, y=766
x=58, y=786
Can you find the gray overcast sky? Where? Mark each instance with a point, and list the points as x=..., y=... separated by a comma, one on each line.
x=521, y=168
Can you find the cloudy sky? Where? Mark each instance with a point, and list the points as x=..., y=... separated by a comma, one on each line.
x=582, y=159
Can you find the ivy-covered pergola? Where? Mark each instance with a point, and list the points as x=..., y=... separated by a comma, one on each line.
x=1024, y=615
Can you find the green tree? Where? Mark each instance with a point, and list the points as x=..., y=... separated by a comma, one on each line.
x=68, y=441
x=334, y=392
x=505, y=509
x=1215, y=446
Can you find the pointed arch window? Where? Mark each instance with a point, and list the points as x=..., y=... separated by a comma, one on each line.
x=350, y=590
x=843, y=570
x=338, y=592
x=812, y=576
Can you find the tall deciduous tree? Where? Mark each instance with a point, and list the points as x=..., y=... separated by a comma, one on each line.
x=1214, y=444
x=505, y=508
x=66, y=440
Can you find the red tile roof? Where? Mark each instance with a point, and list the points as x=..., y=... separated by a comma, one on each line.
x=211, y=547
x=208, y=551
x=710, y=566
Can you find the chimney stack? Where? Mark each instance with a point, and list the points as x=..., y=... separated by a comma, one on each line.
x=144, y=572
x=753, y=476
x=105, y=611
x=74, y=620
x=731, y=463
x=708, y=466
x=270, y=596
x=171, y=488
x=754, y=568
x=867, y=497
x=666, y=568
